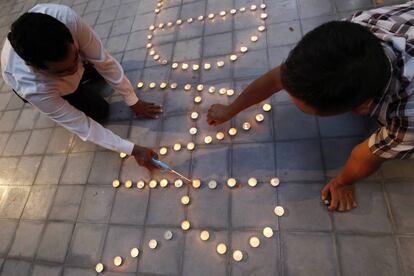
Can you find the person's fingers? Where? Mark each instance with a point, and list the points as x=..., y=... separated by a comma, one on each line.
x=352, y=201
x=325, y=191
x=210, y=121
x=334, y=201
x=348, y=204
x=150, y=115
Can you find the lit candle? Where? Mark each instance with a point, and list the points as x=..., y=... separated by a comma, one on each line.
x=151, y=28
x=221, y=248
x=253, y=7
x=99, y=267
x=252, y=182
x=193, y=131
x=185, y=225
x=163, y=85
x=230, y=92
x=220, y=135
x=279, y=211
x=233, y=57
x=157, y=11
x=197, y=99
x=174, y=65
x=152, y=85
x=118, y=261
x=207, y=66
x=163, y=183
x=122, y=155
x=161, y=25
x=152, y=52
x=222, y=91
x=263, y=16
x=243, y=49
x=200, y=18
x=116, y=183
x=152, y=244
x=187, y=87
x=263, y=6
x=223, y=13
x=194, y=115
x=232, y=131
x=159, y=5
x=237, y=255
x=185, y=200
x=190, y=146
x=204, y=235
x=268, y=232
x=149, y=45
x=208, y=139
x=231, y=182
x=233, y=11
x=168, y=235
x=140, y=184
x=211, y=15
x=134, y=252
x=196, y=67
x=267, y=107
x=163, y=151
x=153, y=184
x=169, y=24
x=190, y=20
x=261, y=28
x=149, y=37
x=246, y=126
x=178, y=183
x=242, y=9
x=254, y=242
x=164, y=61
x=140, y=84
x=184, y=66
x=220, y=63
x=179, y=22
x=200, y=87
x=177, y=147
x=259, y=117
x=274, y=181
x=156, y=57
x=128, y=184
x=173, y=85
x=196, y=183
x=211, y=89
x=253, y=38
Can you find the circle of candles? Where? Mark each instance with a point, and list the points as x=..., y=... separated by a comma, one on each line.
x=152, y=244
x=191, y=146
x=263, y=16
x=194, y=115
x=208, y=139
x=261, y=28
x=212, y=184
x=268, y=232
x=196, y=67
x=200, y=87
x=232, y=131
x=152, y=85
x=254, y=242
x=242, y=9
x=185, y=200
x=99, y=267
x=156, y=57
x=174, y=65
x=118, y=261
x=116, y=183
x=140, y=184
x=179, y=22
x=223, y=13
x=197, y=99
x=231, y=182
x=134, y=252
x=128, y=184
x=233, y=11
x=163, y=183
x=274, y=181
x=222, y=91
x=237, y=255
x=253, y=38
x=221, y=248
x=151, y=28
x=140, y=84
x=211, y=89
x=263, y=6
x=169, y=24
x=163, y=151
x=207, y=66
x=168, y=235
x=220, y=63
x=200, y=18
x=122, y=155
x=177, y=147
x=196, y=183
x=243, y=49
x=187, y=87
x=153, y=184
x=184, y=66
x=253, y=7
x=161, y=25
x=246, y=126
x=173, y=85
x=267, y=107
x=190, y=20
x=233, y=57
x=252, y=182
x=204, y=235
x=259, y=117
x=178, y=183
x=211, y=15
x=230, y=92
x=163, y=85
x=185, y=225
x=193, y=131
x=220, y=135
x=279, y=211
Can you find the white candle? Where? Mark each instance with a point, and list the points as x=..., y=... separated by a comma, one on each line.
x=116, y=183
x=194, y=115
x=261, y=28
x=200, y=87
x=196, y=183
x=156, y=57
x=185, y=200
x=220, y=63
x=222, y=91
x=274, y=181
x=197, y=99
x=221, y=248
x=163, y=85
x=163, y=151
x=149, y=37
x=263, y=16
x=185, y=225
x=122, y=155
x=169, y=24
x=152, y=85
x=279, y=211
x=140, y=84
x=243, y=49
x=152, y=52
x=128, y=184
x=253, y=38
x=252, y=182
x=253, y=7
x=184, y=66
x=212, y=184
x=196, y=67
x=211, y=89
x=220, y=135
x=231, y=182
x=164, y=61
x=178, y=183
x=177, y=147
x=152, y=244
x=187, y=87
x=268, y=232
x=211, y=15
x=161, y=25
x=179, y=22
x=151, y=27
x=233, y=11
x=140, y=184
x=267, y=107
x=193, y=131
x=157, y=11
x=204, y=235
x=223, y=13
x=242, y=9
x=200, y=18
x=163, y=183
x=254, y=242
x=232, y=131
x=208, y=139
x=173, y=85
x=174, y=65
x=233, y=57
x=168, y=235
x=118, y=261
x=153, y=184
x=190, y=146
x=207, y=66
x=230, y=92
x=237, y=255
x=259, y=117
x=246, y=126
x=134, y=252
x=263, y=6
x=190, y=20
x=99, y=267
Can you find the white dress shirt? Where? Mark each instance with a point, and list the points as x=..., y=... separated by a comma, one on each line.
x=44, y=92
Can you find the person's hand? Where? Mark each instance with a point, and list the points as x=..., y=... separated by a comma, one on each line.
x=144, y=156
x=146, y=109
x=218, y=114
x=342, y=196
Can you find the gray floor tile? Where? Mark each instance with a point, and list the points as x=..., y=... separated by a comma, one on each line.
x=134, y=59
x=66, y=203
x=15, y=268
x=342, y=125
x=15, y=102
x=116, y=44
x=314, y=8
x=39, y=202
x=26, y=170
x=142, y=21
x=407, y=253
x=38, y=141
x=122, y=26
x=4, y=100
x=55, y=242
x=101, y=172
x=178, y=102
x=281, y=11
x=96, y=204
x=277, y=55
x=218, y=44
x=4, y=137
x=27, y=238
x=72, y=271
x=132, y=171
x=16, y=144
x=51, y=169
x=175, y=130
x=401, y=201
x=7, y=169
x=253, y=64
x=107, y=14
x=42, y=270
x=14, y=199
x=77, y=168
x=206, y=166
x=130, y=206
x=309, y=24
x=60, y=141
x=127, y=9
x=187, y=49
x=7, y=230
x=283, y=33
x=27, y=119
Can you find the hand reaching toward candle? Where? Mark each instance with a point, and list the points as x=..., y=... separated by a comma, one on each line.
x=146, y=109
x=144, y=156
x=218, y=114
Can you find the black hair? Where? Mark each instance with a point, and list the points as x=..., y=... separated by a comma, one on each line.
x=38, y=38
x=336, y=67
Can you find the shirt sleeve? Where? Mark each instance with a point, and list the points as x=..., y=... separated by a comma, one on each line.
x=92, y=50
x=74, y=120
x=392, y=144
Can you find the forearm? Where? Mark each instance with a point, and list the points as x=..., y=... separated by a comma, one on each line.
x=257, y=91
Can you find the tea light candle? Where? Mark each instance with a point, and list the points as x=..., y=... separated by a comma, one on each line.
x=223, y=13
x=177, y=147
x=173, y=85
x=187, y=87
x=190, y=20
x=190, y=146
x=211, y=15
x=122, y=155
x=169, y=24
x=261, y=28
x=268, y=232
x=196, y=183
x=185, y=200
x=231, y=182
x=152, y=85
x=200, y=18
x=157, y=11
x=259, y=117
x=207, y=66
x=118, y=261
x=197, y=99
x=233, y=57
x=134, y=252
x=161, y=25
x=267, y=107
x=243, y=49
x=221, y=248
x=152, y=52
x=184, y=66
x=211, y=89
x=163, y=183
x=253, y=38
x=233, y=11
x=149, y=37
x=174, y=65
x=99, y=267
x=246, y=126
x=252, y=182
x=279, y=211
x=263, y=16
x=163, y=151
x=237, y=255
x=220, y=63
x=208, y=139
x=163, y=85
x=156, y=57
x=200, y=87
x=196, y=67
x=212, y=184
x=253, y=7
x=178, y=183
x=194, y=115
x=116, y=183
x=230, y=92
x=220, y=135
x=222, y=91
x=263, y=6
x=151, y=27
x=185, y=225
x=128, y=184
x=140, y=184
x=168, y=235
x=232, y=131
x=164, y=61
x=152, y=244
x=254, y=242
x=242, y=9
x=153, y=184
x=193, y=131
x=140, y=84
x=204, y=235
x=179, y=22
x=274, y=181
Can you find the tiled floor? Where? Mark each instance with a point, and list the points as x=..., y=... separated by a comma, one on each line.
x=59, y=214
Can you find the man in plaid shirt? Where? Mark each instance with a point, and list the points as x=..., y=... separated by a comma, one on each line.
x=363, y=64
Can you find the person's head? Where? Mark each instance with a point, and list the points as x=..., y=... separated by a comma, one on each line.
x=44, y=43
x=335, y=68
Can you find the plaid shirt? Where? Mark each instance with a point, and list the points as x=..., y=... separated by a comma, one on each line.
x=394, y=110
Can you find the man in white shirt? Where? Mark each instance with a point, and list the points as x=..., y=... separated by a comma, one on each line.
x=42, y=60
